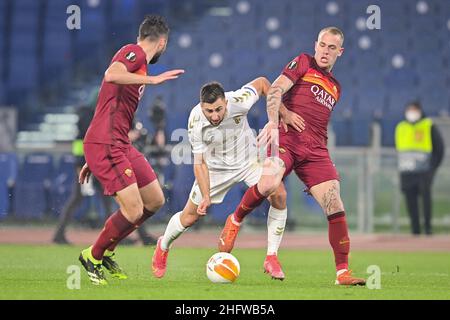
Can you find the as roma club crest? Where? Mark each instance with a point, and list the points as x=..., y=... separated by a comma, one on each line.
x=129, y=172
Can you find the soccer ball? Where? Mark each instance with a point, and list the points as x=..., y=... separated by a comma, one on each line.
x=223, y=267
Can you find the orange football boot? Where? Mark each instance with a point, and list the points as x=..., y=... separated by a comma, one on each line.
x=346, y=279
x=228, y=235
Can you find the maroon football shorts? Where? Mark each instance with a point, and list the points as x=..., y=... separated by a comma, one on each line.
x=117, y=167
x=308, y=158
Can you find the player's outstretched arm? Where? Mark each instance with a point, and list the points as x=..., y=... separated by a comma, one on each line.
x=269, y=133
x=201, y=173
x=117, y=73
x=262, y=85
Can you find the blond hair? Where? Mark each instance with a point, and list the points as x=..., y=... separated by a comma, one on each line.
x=334, y=31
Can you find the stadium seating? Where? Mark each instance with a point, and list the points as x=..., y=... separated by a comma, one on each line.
x=8, y=175
x=380, y=71
x=253, y=38
x=32, y=187
x=62, y=182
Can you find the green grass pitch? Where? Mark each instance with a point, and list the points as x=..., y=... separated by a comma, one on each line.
x=40, y=272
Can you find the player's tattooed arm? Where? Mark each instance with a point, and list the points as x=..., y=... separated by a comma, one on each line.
x=280, y=86
x=261, y=85
x=201, y=173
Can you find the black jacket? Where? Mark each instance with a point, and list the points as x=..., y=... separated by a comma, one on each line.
x=438, y=148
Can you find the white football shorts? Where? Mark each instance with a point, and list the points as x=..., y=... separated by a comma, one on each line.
x=220, y=182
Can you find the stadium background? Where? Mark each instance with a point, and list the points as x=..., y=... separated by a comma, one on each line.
x=47, y=71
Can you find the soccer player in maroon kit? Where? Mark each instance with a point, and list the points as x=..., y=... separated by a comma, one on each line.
x=123, y=171
x=307, y=88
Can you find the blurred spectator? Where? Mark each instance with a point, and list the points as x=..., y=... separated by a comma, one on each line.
x=420, y=151
x=157, y=113
x=85, y=114
x=139, y=138
x=157, y=151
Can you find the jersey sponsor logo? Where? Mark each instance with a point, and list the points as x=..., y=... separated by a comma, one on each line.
x=131, y=56
x=316, y=78
x=323, y=97
x=292, y=65
x=237, y=120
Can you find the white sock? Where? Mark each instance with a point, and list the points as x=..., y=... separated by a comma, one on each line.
x=276, y=222
x=173, y=230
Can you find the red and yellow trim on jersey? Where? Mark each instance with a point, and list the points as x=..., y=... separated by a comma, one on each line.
x=316, y=77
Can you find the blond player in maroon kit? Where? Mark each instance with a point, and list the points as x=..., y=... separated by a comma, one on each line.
x=123, y=171
x=307, y=88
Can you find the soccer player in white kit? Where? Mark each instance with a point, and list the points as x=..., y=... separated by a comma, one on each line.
x=225, y=153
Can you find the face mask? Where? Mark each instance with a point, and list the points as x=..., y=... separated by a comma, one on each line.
x=412, y=116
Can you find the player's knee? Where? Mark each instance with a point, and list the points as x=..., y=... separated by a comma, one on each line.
x=273, y=172
x=267, y=186
x=333, y=207
x=160, y=202
x=156, y=203
x=278, y=199
x=134, y=210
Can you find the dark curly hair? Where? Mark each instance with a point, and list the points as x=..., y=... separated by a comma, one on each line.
x=153, y=27
x=212, y=91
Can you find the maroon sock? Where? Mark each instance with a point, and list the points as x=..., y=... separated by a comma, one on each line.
x=147, y=214
x=339, y=240
x=251, y=199
x=114, y=227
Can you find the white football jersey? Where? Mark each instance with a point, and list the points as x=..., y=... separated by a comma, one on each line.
x=232, y=144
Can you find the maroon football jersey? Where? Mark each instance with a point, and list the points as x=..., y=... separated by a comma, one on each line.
x=116, y=103
x=313, y=96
